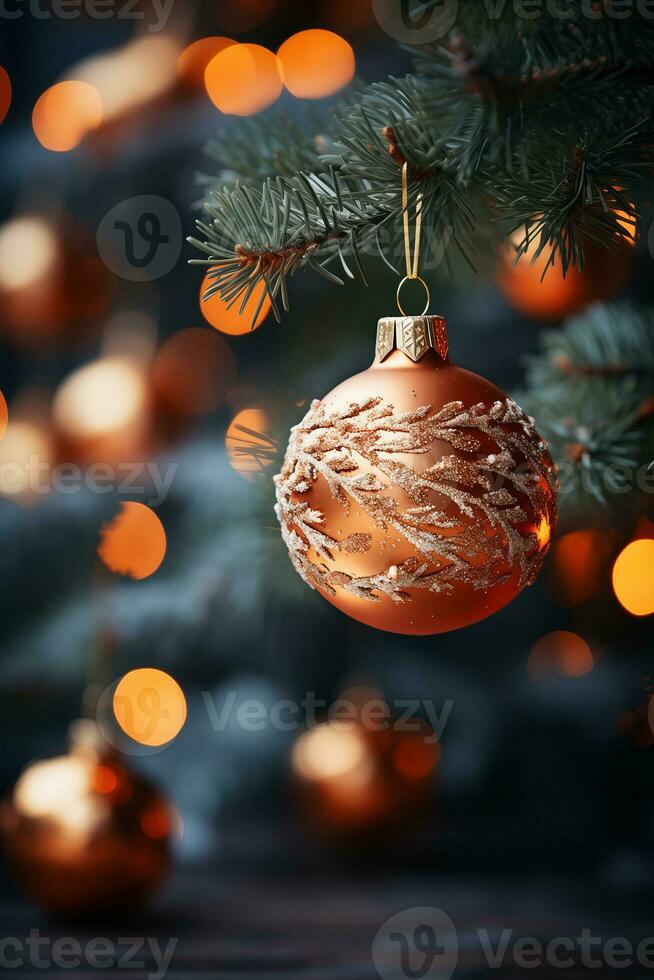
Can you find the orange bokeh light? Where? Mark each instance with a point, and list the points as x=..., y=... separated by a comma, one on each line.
x=26, y=455
x=5, y=93
x=633, y=577
x=194, y=370
x=316, y=63
x=4, y=415
x=250, y=448
x=415, y=758
x=628, y=225
x=243, y=79
x=330, y=751
x=134, y=542
x=579, y=565
x=101, y=411
x=230, y=320
x=560, y=652
x=104, y=779
x=192, y=62
x=155, y=823
x=150, y=707
x=547, y=296
x=65, y=113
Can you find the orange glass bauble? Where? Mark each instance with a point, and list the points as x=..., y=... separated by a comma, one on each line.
x=85, y=834
x=416, y=497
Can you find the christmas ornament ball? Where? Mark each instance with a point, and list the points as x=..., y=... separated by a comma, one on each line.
x=354, y=784
x=84, y=834
x=416, y=497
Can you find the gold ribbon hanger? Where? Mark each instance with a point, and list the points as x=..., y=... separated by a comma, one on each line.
x=412, y=261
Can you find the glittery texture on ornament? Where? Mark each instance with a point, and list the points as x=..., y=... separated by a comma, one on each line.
x=418, y=520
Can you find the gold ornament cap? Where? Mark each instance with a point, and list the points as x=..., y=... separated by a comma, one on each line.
x=413, y=335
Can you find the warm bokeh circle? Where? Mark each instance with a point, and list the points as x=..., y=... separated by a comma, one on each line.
x=5, y=93
x=561, y=653
x=4, y=415
x=150, y=707
x=192, y=62
x=633, y=577
x=250, y=447
x=194, y=370
x=134, y=542
x=243, y=79
x=316, y=63
x=65, y=113
x=229, y=319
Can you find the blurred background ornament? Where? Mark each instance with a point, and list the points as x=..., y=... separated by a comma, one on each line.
x=102, y=413
x=84, y=834
x=53, y=285
x=356, y=782
x=536, y=286
x=27, y=448
x=416, y=497
x=579, y=564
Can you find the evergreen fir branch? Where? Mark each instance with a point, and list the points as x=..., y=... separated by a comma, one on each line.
x=583, y=192
x=568, y=31
x=471, y=127
x=271, y=233
x=271, y=144
x=492, y=97
x=605, y=342
x=591, y=391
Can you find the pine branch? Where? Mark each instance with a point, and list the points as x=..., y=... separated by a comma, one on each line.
x=606, y=342
x=579, y=194
x=591, y=391
x=271, y=233
x=497, y=136
x=271, y=144
x=564, y=32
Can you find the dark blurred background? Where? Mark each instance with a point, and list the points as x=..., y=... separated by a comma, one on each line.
x=543, y=761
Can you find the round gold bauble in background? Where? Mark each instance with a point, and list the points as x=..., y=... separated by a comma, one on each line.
x=416, y=497
x=354, y=783
x=84, y=834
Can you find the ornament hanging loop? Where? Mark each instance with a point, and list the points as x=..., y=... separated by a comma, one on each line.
x=399, y=290
x=411, y=261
